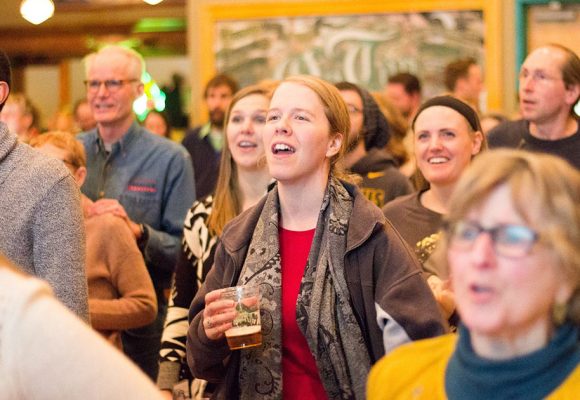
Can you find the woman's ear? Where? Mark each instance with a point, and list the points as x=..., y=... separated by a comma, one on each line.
x=477, y=141
x=4, y=91
x=334, y=145
x=80, y=175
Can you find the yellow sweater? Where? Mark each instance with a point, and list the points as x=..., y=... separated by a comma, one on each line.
x=417, y=371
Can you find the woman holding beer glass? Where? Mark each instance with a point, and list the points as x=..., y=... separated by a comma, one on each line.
x=242, y=181
x=512, y=248
x=339, y=287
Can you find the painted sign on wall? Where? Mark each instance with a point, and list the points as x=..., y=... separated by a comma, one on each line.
x=365, y=49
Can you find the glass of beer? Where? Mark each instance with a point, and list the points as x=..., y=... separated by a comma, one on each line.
x=246, y=330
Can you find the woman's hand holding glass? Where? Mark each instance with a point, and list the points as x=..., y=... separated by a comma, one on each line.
x=218, y=315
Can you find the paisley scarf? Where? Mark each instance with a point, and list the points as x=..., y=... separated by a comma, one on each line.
x=323, y=311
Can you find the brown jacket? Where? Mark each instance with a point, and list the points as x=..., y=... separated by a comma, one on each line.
x=121, y=294
x=381, y=273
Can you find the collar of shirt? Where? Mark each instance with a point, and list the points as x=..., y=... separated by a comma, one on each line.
x=214, y=136
x=121, y=145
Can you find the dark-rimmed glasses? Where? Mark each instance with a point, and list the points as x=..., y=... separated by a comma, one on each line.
x=509, y=240
x=112, y=85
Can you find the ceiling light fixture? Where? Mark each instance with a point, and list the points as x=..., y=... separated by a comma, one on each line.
x=153, y=2
x=36, y=11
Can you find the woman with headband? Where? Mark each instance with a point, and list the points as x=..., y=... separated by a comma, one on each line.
x=447, y=135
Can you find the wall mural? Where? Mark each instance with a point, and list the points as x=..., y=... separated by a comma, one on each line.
x=365, y=49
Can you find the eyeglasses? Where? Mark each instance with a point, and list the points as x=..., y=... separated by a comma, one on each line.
x=112, y=85
x=537, y=76
x=512, y=241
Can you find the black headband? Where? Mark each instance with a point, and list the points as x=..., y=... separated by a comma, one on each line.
x=454, y=103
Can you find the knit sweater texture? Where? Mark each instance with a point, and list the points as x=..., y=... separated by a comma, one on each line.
x=41, y=223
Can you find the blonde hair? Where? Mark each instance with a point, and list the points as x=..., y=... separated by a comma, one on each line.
x=64, y=141
x=25, y=106
x=545, y=191
x=227, y=202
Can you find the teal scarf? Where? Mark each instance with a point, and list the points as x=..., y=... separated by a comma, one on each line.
x=533, y=376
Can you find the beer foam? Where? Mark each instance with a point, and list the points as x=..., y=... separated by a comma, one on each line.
x=243, y=330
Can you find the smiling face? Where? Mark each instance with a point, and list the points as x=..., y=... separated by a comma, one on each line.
x=543, y=95
x=113, y=107
x=244, y=130
x=444, y=145
x=499, y=296
x=297, y=138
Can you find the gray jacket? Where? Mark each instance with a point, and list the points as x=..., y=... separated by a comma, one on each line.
x=41, y=222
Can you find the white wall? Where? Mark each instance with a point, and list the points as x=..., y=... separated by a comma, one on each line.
x=42, y=88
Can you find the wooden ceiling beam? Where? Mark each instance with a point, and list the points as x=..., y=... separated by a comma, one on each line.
x=51, y=48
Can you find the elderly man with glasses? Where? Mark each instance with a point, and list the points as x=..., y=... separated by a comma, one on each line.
x=144, y=179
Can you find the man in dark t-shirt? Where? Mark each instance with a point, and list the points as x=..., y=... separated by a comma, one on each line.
x=549, y=89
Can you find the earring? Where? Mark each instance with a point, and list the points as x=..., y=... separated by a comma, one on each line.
x=559, y=313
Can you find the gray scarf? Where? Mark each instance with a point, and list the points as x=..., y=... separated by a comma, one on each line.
x=323, y=311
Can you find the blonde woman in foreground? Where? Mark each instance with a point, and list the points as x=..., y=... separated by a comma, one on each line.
x=512, y=247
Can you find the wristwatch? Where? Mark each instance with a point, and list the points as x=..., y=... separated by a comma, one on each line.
x=144, y=237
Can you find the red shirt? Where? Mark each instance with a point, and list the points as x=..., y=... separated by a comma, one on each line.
x=300, y=378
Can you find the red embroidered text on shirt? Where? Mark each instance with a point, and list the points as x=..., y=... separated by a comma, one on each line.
x=143, y=189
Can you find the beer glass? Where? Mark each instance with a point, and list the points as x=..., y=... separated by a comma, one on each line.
x=246, y=330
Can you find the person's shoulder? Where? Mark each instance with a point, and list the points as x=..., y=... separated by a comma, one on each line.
x=398, y=204
x=238, y=232
x=87, y=137
x=109, y=231
x=108, y=223
x=199, y=210
x=432, y=348
x=507, y=134
x=408, y=364
x=40, y=168
x=161, y=146
x=17, y=286
x=570, y=388
x=192, y=135
x=202, y=206
x=363, y=209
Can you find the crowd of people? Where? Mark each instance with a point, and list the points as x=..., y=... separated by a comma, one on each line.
x=398, y=251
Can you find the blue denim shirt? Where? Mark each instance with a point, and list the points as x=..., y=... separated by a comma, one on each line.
x=152, y=178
